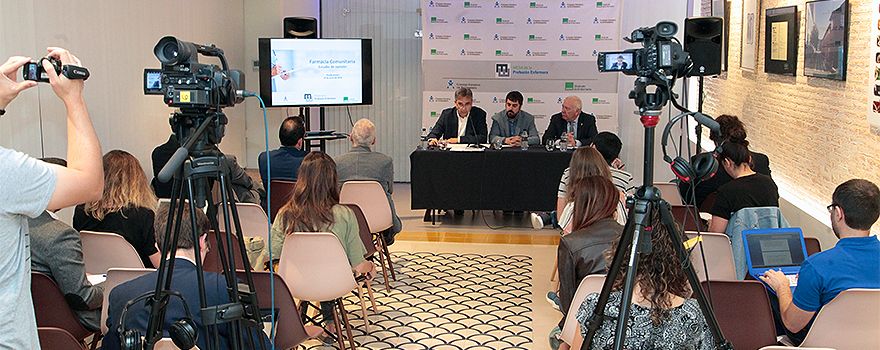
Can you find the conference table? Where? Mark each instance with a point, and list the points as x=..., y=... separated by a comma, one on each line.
x=509, y=179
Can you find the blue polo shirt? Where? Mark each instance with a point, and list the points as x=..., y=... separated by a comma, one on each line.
x=853, y=263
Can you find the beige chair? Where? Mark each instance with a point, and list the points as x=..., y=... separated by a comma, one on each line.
x=590, y=284
x=371, y=197
x=669, y=192
x=776, y=347
x=254, y=221
x=850, y=321
x=102, y=250
x=316, y=268
x=115, y=277
x=719, y=257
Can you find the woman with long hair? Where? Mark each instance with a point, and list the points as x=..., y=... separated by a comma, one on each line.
x=126, y=208
x=662, y=314
x=595, y=229
x=314, y=207
x=586, y=161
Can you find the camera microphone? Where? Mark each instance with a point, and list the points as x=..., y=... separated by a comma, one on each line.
x=707, y=121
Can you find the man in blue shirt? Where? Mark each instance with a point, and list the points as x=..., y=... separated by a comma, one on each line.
x=287, y=158
x=853, y=263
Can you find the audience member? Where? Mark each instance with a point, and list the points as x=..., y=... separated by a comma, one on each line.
x=662, y=314
x=609, y=145
x=314, y=207
x=748, y=189
x=30, y=187
x=285, y=160
x=594, y=229
x=730, y=125
x=362, y=163
x=577, y=127
x=853, y=263
x=56, y=250
x=462, y=124
x=183, y=281
x=126, y=208
x=586, y=161
x=245, y=188
x=507, y=125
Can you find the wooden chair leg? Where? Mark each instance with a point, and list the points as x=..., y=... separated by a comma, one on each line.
x=384, y=268
x=387, y=255
x=338, y=323
x=347, y=324
x=363, y=308
x=372, y=298
x=555, y=271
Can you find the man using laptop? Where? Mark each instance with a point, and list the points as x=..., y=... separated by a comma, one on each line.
x=853, y=263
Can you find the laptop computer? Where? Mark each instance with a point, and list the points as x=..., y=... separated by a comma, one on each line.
x=780, y=249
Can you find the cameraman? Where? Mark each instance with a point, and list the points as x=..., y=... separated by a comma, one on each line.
x=30, y=186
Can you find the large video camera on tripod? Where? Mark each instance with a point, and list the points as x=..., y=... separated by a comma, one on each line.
x=657, y=64
x=200, y=91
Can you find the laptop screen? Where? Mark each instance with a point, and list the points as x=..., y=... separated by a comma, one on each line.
x=775, y=249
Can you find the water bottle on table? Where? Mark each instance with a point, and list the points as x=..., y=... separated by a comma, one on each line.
x=524, y=136
x=423, y=138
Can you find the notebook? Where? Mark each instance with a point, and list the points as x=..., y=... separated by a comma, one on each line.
x=780, y=249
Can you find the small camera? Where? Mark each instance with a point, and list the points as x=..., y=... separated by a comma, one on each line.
x=34, y=70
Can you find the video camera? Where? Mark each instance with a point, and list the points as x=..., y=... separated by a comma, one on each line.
x=658, y=54
x=186, y=83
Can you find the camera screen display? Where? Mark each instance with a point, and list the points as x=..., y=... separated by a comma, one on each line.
x=618, y=61
x=152, y=81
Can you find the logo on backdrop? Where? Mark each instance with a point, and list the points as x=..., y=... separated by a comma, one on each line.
x=307, y=97
x=559, y=101
x=528, y=53
x=529, y=20
x=497, y=5
x=450, y=85
x=496, y=36
x=431, y=99
x=502, y=70
x=595, y=53
x=462, y=52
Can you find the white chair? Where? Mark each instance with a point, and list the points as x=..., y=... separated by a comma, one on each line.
x=850, y=321
x=590, y=284
x=254, y=221
x=115, y=277
x=102, y=251
x=315, y=267
x=371, y=197
x=669, y=192
x=719, y=257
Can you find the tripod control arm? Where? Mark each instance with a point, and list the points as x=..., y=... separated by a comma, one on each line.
x=173, y=164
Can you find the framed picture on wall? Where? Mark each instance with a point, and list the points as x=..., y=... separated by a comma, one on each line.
x=781, y=41
x=825, y=45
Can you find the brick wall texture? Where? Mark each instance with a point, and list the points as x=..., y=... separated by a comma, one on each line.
x=814, y=130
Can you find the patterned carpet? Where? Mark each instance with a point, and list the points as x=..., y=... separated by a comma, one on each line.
x=448, y=301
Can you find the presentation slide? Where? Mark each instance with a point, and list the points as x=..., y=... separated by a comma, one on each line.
x=316, y=72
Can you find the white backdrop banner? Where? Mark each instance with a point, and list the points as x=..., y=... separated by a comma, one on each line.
x=545, y=49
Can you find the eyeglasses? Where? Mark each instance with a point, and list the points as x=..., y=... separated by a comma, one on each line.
x=830, y=208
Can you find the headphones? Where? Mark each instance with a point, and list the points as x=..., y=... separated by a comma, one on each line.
x=704, y=164
x=184, y=332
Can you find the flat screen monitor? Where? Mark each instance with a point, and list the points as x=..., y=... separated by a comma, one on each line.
x=316, y=72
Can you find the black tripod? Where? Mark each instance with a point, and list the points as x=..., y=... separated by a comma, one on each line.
x=637, y=235
x=193, y=180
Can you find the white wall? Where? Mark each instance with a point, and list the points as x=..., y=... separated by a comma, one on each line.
x=114, y=40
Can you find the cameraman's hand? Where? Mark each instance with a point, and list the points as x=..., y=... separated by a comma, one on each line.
x=9, y=85
x=66, y=89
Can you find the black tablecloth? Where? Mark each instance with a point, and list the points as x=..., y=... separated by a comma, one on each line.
x=509, y=179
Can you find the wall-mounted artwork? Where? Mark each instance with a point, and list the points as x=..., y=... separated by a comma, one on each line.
x=749, y=35
x=825, y=47
x=781, y=41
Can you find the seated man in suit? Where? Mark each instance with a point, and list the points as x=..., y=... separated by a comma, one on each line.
x=577, y=127
x=362, y=163
x=462, y=124
x=620, y=64
x=287, y=158
x=56, y=250
x=509, y=123
x=245, y=188
x=853, y=263
x=183, y=281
